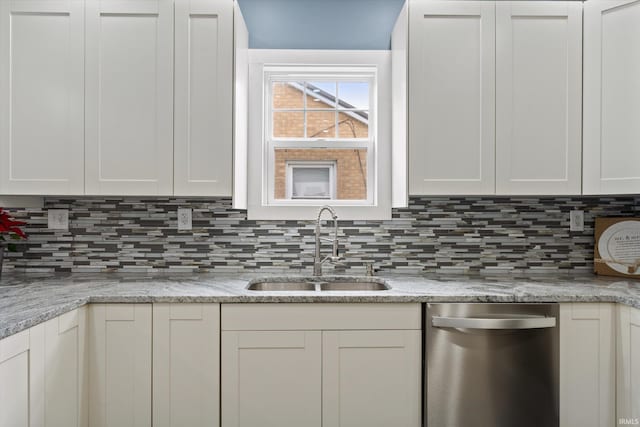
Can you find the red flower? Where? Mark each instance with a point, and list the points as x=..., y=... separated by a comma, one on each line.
x=10, y=226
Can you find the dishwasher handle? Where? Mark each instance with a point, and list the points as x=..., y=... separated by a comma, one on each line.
x=525, y=322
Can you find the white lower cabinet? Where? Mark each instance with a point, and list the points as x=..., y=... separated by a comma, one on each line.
x=120, y=365
x=271, y=378
x=321, y=365
x=186, y=365
x=14, y=380
x=43, y=374
x=154, y=364
x=587, y=365
x=371, y=378
x=628, y=366
x=58, y=375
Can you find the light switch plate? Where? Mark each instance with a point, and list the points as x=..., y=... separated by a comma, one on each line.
x=58, y=219
x=576, y=221
x=184, y=219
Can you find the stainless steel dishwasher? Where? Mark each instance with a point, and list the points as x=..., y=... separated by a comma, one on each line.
x=492, y=365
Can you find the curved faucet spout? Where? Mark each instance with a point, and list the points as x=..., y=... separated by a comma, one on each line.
x=317, y=261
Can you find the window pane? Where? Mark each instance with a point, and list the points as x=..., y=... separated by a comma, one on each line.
x=310, y=182
x=288, y=124
x=354, y=95
x=288, y=95
x=321, y=124
x=350, y=169
x=321, y=95
x=353, y=124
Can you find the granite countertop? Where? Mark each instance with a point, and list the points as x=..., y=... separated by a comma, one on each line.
x=27, y=300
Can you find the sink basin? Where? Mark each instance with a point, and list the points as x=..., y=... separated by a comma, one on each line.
x=353, y=286
x=318, y=284
x=282, y=286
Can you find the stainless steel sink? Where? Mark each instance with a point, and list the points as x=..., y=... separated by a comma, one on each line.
x=281, y=286
x=353, y=286
x=318, y=284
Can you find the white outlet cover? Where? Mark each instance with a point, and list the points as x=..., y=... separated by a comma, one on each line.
x=58, y=219
x=184, y=219
x=576, y=221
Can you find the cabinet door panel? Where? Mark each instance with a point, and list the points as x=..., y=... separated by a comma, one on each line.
x=120, y=365
x=587, y=365
x=539, y=97
x=203, y=97
x=56, y=389
x=129, y=97
x=628, y=365
x=42, y=97
x=14, y=380
x=611, y=97
x=186, y=365
x=371, y=378
x=271, y=379
x=452, y=97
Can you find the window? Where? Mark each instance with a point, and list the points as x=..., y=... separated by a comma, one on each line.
x=320, y=114
x=318, y=134
x=311, y=180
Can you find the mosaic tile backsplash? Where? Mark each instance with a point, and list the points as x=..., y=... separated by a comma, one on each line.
x=499, y=235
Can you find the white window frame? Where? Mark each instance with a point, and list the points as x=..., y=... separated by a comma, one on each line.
x=301, y=164
x=377, y=66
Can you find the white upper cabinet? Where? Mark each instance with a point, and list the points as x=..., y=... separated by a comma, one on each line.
x=452, y=97
x=41, y=97
x=203, y=97
x=129, y=97
x=611, y=97
x=538, y=97
x=495, y=97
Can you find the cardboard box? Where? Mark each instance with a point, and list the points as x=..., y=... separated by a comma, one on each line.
x=617, y=247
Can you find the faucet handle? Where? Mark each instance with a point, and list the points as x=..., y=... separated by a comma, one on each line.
x=370, y=268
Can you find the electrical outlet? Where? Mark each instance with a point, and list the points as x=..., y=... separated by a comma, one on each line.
x=184, y=219
x=576, y=221
x=58, y=219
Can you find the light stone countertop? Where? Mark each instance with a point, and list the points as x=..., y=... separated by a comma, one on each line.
x=27, y=300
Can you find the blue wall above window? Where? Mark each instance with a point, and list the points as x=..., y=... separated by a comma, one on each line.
x=320, y=24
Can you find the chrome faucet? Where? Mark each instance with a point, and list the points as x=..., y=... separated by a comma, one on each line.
x=334, y=257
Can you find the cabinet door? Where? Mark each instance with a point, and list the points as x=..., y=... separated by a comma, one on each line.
x=129, y=97
x=41, y=97
x=611, y=97
x=271, y=378
x=203, y=97
x=452, y=97
x=186, y=365
x=371, y=378
x=628, y=365
x=14, y=380
x=120, y=365
x=539, y=97
x=56, y=389
x=587, y=365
